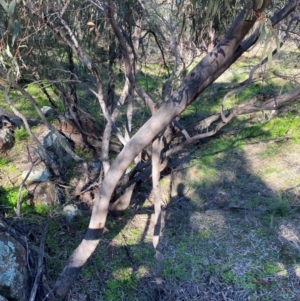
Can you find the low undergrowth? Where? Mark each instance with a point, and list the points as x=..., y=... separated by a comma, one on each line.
x=231, y=214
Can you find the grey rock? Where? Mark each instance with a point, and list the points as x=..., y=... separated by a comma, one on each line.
x=39, y=175
x=17, y=122
x=7, y=139
x=70, y=211
x=96, y=165
x=14, y=278
x=47, y=111
x=47, y=193
x=56, y=151
x=33, y=121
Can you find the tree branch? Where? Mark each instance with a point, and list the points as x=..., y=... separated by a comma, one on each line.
x=211, y=66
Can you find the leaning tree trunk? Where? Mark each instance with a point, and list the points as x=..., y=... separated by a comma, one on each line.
x=203, y=75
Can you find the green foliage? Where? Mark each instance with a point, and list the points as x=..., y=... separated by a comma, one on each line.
x=198, y=17
x=86, y=154
x=246, y=281
x=11, y=168
x=268, y=34
x=12, y=23
x=3, y=162
x=9, y=196
x=151, y=77
x=41, y=209
x=272, y=268
x=123, y=281
x=21, y=134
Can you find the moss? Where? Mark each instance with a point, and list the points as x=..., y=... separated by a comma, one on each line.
x=9, y=196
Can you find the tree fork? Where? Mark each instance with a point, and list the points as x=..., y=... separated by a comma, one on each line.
x=203, y=75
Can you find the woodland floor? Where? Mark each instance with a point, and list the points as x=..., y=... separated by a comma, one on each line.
x=231, y=226
x=231, y=232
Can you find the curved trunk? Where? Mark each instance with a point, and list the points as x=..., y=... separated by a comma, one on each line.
x=203, y=75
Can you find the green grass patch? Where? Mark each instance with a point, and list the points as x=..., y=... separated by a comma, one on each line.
x=279, y=127
x=3, y=162
x=41, y=209
x=21, y=134
x=245, y=281
x=269, y=171
x=85, y=154
x=148, y=82
x=24, y=105
x=9, y=196
x=272, y=268
x=121, y=286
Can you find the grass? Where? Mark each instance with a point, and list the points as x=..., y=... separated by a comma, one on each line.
x=9, y=196
x=231, y=221
x=24, y=105
x=21, y=134
x=3, y=162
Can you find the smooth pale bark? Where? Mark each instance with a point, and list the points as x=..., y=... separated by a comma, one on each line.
x=156, y=189
x=203, y=75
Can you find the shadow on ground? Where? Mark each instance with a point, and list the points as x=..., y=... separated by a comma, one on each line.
x=228, y=235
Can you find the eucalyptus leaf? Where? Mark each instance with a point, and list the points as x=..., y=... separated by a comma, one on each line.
x=210, y=8
x=11, y=7
x=267, y=31
x=215, y=8
x=4, y=5
x=183, y=23
x=9, y=76
x=7, y=51
x=102, y=26
x=16, y=31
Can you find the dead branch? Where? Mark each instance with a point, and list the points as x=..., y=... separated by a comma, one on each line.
x=47, y=123
x=18, y=207
x=48, y=159
x=40, y=266
x=273, y=103
x=249, y=81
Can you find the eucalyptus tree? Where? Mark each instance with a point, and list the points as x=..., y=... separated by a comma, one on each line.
x=156, y=129
x=99, y=37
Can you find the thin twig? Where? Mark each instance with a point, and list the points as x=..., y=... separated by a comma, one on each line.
x=40, y=262
x=18, y=209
